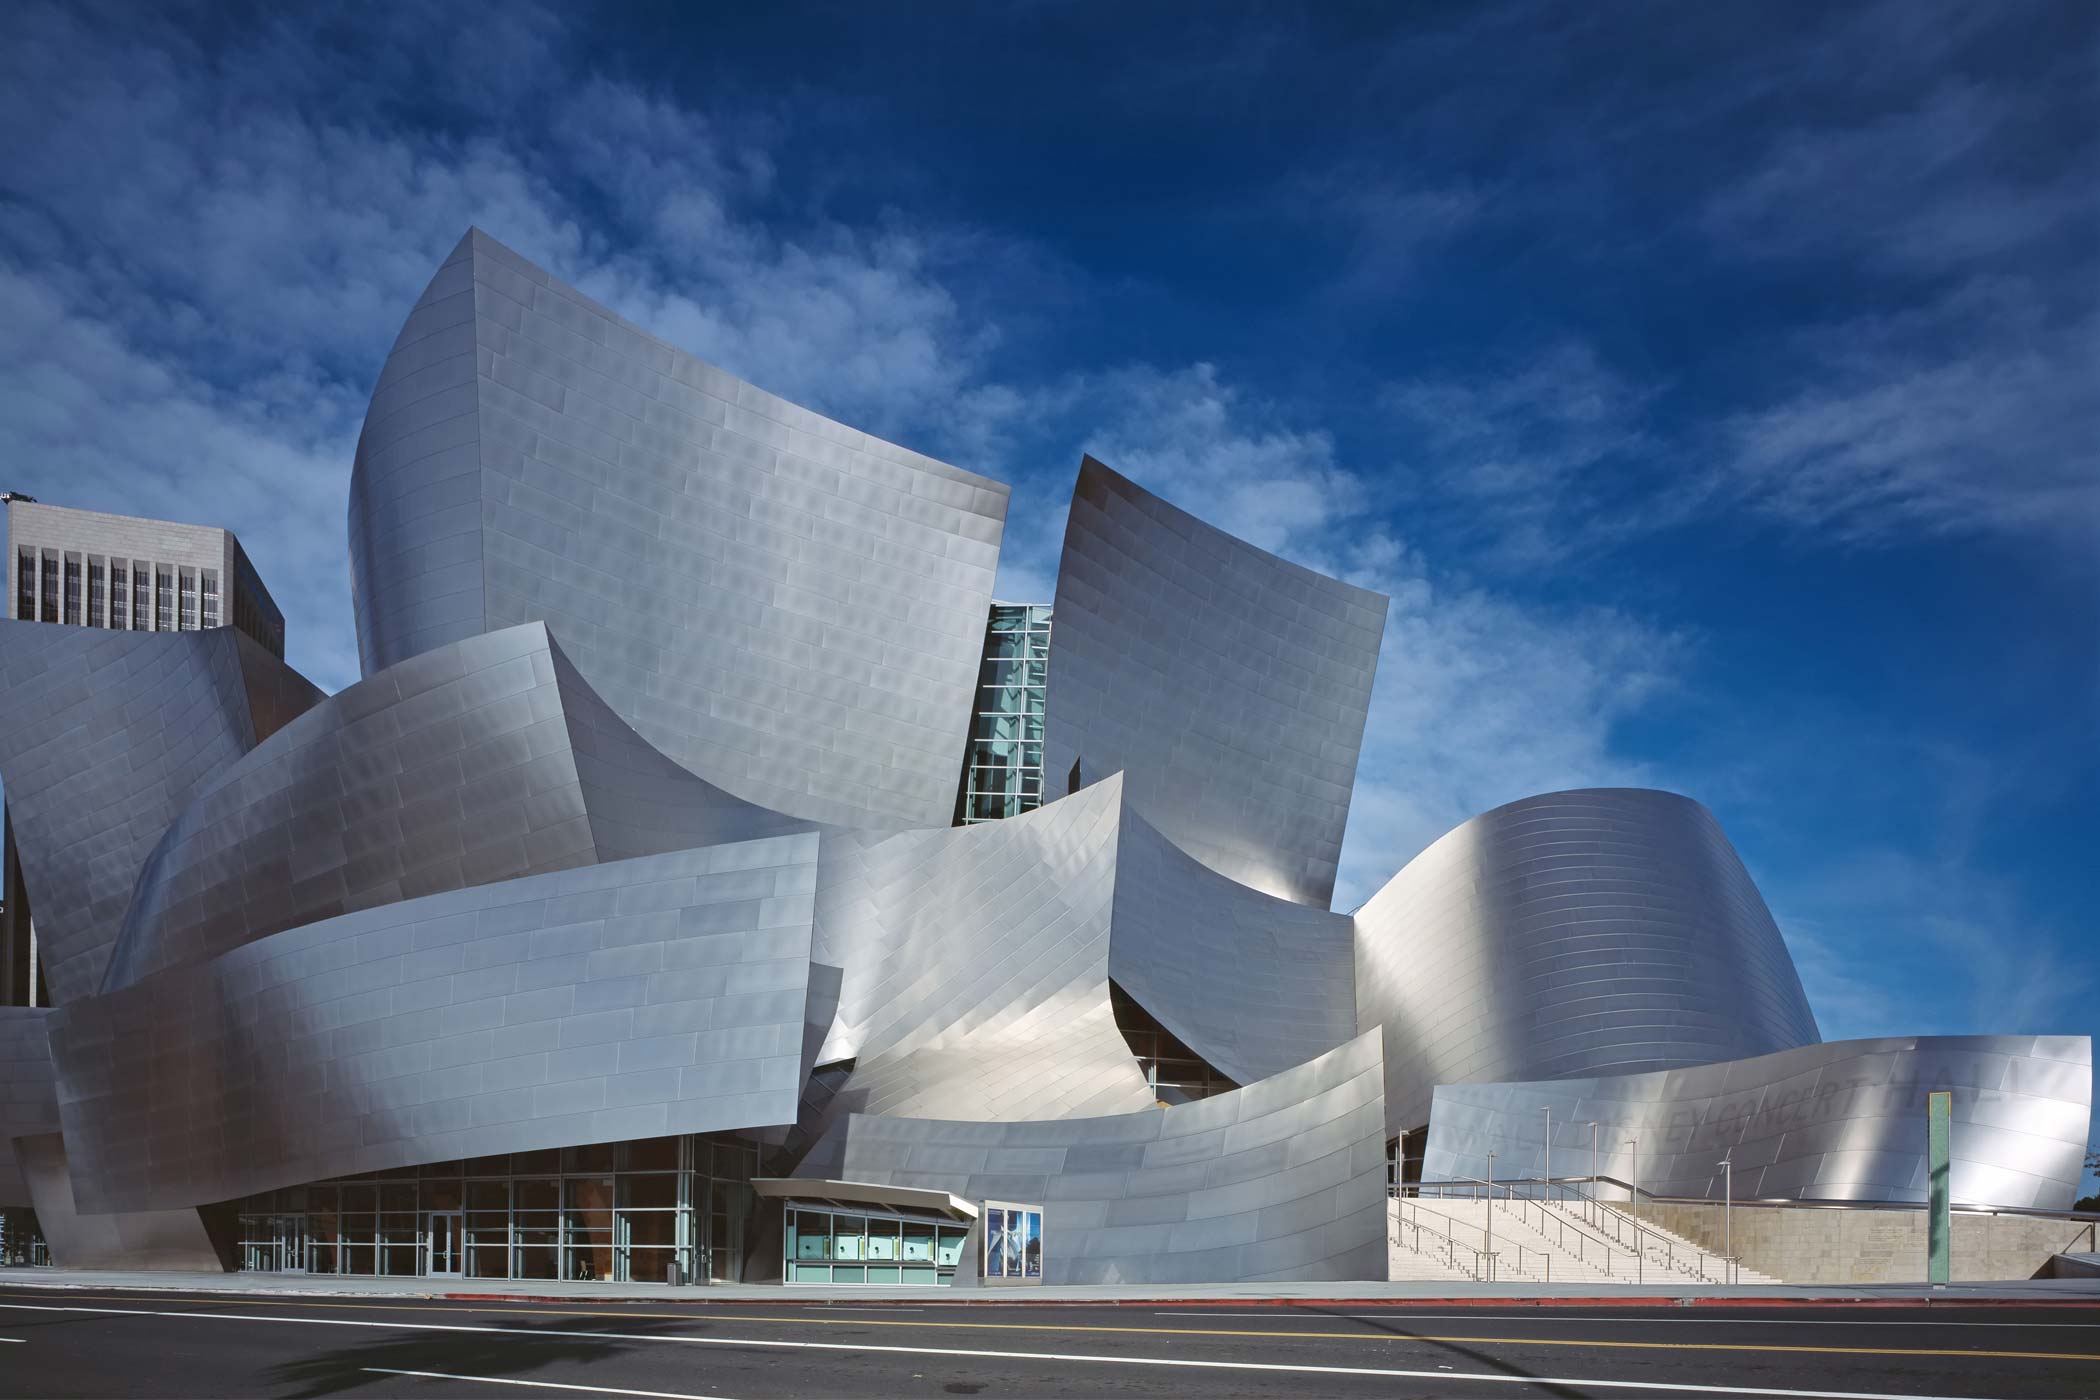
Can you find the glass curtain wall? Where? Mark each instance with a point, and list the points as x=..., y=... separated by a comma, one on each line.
x=827, y=1244
x=648, y=1211
x=1003, y=767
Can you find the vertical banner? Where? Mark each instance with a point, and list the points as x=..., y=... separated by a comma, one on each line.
x=1939, y=1218
x=1013, y=1242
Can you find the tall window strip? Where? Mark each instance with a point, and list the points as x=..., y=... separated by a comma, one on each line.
x=98, y=592
x=1003, y=767
x=73, y=589
x=119, y=594
x=25, y=583
x=141, y=595
x=208, y=587
x=189, y=600
x=163, y=598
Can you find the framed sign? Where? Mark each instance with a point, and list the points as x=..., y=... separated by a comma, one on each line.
x=1013, y=1243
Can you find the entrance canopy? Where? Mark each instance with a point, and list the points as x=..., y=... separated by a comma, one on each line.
x=864, y=1194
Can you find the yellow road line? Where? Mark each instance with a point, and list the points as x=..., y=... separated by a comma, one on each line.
x=246, y=1300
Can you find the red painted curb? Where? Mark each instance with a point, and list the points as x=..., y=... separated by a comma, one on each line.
x=1659, y=1300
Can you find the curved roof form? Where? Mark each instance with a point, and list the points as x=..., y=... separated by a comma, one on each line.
x=1252, y=983
x=633, y=999
x=1601, y=931
x=787, y=607
x=976, y=965
x=1285, y=1179
x=1227, y=685
x=108, y=734
x=1841, y=1121
x=484, y=760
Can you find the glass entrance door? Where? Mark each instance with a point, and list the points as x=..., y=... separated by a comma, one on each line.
x=447, y=1244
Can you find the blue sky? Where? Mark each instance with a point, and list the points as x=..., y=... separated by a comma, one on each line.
x=1713, y=388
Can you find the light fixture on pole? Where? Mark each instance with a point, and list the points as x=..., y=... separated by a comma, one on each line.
x=1490, y=1241
x=1634, y=1187
x=1547, y=1166
x=1727, y=1165
x=1593, y=1163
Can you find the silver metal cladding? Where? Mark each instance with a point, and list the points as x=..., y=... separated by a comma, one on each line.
x=789, y=608
x=1601, y=931
x=1282, y=1180
x=664, y=994
x=1228, y=686
x=108, y=736
x=484, y=760
x=28, y=1091
x=1841, y=1121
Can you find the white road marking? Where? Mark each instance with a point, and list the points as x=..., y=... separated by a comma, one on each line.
x=1299, y=1312
x=864, y=1348
x=543, y=1385
x=18, y=1341
x=839, y=1307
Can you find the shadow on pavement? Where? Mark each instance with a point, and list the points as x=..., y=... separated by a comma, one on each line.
x=515, y=1349
x=1478, y=1358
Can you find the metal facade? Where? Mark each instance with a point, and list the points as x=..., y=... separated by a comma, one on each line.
x=1281, y=1180
x=1229, y=686
x=787, y=607
x=481, y=761
x=108, y=736
x=1843, y=1121
x=1602, y=931
x=639, y=824
x=633, y=999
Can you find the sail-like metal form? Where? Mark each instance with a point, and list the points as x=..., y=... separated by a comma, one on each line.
x=786, y=606
x=1228, y=686
x=1842, y=1121
x=658, y=995
x=481, y=761
x=638, y=830
x=1281, y=1180
x=1603, y=931
x=106, y=738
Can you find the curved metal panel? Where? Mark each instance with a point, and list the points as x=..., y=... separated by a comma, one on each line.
x=1253, y=983
x=481, y=761
x=107, y=736
x=28, y=1091
x=787, y=607
x=1284, y=1179
x=975, y=966
x=1842, y=1121
x=1228, y=686
x=659, y=995
x=1601, y=931
x=81, y=1239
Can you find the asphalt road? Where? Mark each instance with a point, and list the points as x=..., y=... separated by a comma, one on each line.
x=66, y=1343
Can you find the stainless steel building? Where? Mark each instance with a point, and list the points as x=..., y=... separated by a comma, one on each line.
x=707, y=879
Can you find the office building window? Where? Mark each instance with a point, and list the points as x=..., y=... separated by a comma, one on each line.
x=25, y=583
x=98, y=593
x=189, y=600
x=1003, y=768
x=141, y=595
x=73, y=589
x=163, y=599
x=49, y=602
x=208, y=585
x=119, y=594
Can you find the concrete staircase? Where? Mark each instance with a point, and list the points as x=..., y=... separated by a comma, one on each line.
x=1538, y=1242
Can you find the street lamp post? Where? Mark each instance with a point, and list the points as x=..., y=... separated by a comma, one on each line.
x=1548, y=1166
x=1727, y=1165
x=1632, y=1199
x=1593, y=1168
x=1490, y=1250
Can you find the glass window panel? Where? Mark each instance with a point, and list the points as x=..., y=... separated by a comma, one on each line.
x=949, y=1248
x=537, y=1195
x=593, y=1157
x=848, y=1273
x=650, y=1191
x=650, y=1265
x=488, y=1257
x=921, y=1274
x=526, y=1163
x=587, y=1202
x=441, y=1195
x=430, y=1169
x=813, y=1235
x=397, y=1198
x=918, y=1241
x=878, y=1273
x=498, y=1165
x=488, y=1195
x=322, y=1259
x=847, y=1235
x=812, y=1273
x=882, y=1239
x=359, y=1259
x=653, y=1154
x=538, y=1262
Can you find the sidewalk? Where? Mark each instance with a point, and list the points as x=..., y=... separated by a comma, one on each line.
x=2031, y=1292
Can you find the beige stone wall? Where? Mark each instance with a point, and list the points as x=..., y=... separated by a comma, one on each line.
x=1805, y=1245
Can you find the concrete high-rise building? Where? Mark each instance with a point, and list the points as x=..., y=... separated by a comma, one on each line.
x=88, y=568
x=642, y=913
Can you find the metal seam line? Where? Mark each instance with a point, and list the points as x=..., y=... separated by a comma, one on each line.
x=1144, y=1331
